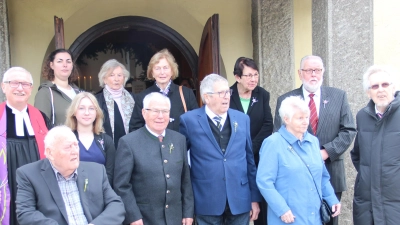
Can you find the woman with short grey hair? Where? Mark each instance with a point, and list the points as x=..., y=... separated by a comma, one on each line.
x=291, y=175
x=116, y=102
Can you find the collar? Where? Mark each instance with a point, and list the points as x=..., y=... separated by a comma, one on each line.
x=316, y=94
x=73, y=176
x=166, y=90
x=290, y=138
x=151, y=132
x=21, y=117
x=211, y=114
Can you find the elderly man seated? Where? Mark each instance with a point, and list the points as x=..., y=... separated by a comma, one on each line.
x=62, y=190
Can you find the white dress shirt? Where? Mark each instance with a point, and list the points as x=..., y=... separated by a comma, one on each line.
x=317, y=98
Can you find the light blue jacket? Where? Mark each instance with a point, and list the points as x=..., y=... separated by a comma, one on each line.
x=285, y=181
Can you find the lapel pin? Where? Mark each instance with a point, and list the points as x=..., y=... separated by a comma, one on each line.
x=86, y=183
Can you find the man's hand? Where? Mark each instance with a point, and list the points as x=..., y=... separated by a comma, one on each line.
x=288, y=217
x=187, y=221
x=137, y=222
x=255, y=210
x=324, y=154
x=336, y=209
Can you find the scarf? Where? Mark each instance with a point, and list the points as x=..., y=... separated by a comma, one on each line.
x=166, y=90
x=40, y=130
x=125, y=99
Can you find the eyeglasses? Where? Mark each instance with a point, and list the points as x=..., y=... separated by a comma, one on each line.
x=310, y=71
x=222, y=94
x=249, y=76
x=158, y=111
x=383, y=85
x=15, y=84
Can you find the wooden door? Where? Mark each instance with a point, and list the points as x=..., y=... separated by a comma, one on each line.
x=59, y=32
x=209, y=53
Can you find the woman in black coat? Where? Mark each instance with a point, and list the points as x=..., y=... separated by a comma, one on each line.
x=163, y=69
x=116, y=103
x=252, y=100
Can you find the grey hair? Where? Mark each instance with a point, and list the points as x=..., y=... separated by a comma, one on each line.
x=155, y=96
x=311, y=57
x=289, y=106
x=56, y=135
x=207, y=84
x=108, y=67
x=379, y=69
x=12, y=70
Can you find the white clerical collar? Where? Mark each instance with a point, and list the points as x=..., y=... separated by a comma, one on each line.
x=20, y=117
x=156, y=135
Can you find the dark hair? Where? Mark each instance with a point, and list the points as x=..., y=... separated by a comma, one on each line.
x=241, y=62
x=48, y=72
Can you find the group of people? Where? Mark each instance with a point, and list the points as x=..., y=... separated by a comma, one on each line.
x=237, y=169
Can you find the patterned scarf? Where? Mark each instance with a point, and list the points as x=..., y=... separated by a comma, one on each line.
x=126, y=111
x=166, y=90
x=4, y=189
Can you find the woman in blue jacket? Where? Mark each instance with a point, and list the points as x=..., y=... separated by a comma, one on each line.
x=285, y=181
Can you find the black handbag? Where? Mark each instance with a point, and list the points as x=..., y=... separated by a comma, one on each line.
x=324, y=210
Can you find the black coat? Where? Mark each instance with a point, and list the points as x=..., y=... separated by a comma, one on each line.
x=106, y=121
x=106, y=145
x=376, y=157
x=261, y=123
x=137, y=120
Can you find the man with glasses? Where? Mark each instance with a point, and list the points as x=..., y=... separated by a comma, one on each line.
x=331, y=120
x=223, y=171
x=22, y=131
x=151, y=171
x=376, y=152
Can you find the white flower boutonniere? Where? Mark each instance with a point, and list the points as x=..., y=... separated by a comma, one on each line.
x=86, y=184
x=171, y=147
x=325, y=102
x=254, y=100
x=235, y=125
x=101, y=141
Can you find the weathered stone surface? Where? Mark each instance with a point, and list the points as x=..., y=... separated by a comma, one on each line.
x=273, y=45
x=4, y=44
x=343, y=37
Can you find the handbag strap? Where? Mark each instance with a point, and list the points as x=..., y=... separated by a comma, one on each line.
x=305, y=164
x=183, y=98
x=52, y=105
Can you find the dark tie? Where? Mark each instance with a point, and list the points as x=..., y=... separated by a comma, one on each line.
x=160, y=138
x=218, y=120
x=313, y=114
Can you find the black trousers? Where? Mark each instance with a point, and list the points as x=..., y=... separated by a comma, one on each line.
x=335, y=220
x=262, y=216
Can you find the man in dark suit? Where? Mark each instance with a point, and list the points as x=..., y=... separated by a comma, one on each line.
x=62, y=190
x=332, y=122
x=222, y=163
x=153, y=177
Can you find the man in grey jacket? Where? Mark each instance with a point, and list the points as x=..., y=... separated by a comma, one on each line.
x=376, y=153
x=331, y=120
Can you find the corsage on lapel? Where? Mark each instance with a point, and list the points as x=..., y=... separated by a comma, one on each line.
x=235, y=125
x=101, y=141
x=325, y=102
x=86, y=184
x=171, y=147
x=254, y=100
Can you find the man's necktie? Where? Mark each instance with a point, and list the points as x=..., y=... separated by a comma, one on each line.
x=313, y=114
x=380, y=115
x=160, y=138
x=218, y=120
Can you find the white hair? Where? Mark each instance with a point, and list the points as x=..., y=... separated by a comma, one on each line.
x=56, y=135
x=13, y=70
x=379, y=69
x=207, y=84
x=155, y=96
x=311, y=57
x=108, y=67
x=289, y=106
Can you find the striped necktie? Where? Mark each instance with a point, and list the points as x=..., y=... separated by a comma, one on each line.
x=218, y=120
x=313, y=114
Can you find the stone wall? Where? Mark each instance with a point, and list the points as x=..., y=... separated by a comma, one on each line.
x=4, y=44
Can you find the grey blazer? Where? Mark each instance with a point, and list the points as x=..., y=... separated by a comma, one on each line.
x=39, y=200
x=336, y=130
x=153, y=178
